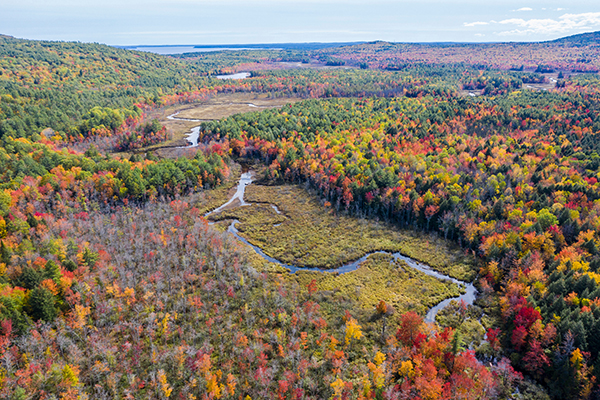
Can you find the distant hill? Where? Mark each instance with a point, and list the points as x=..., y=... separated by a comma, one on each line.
x=578, y=54
x=582, y=39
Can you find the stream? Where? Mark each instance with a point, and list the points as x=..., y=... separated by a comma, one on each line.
x=194, y=134
x=468, y=297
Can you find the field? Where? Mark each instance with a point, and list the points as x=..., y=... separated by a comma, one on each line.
x=215, y=108
x=224, y=105
x=381, y=278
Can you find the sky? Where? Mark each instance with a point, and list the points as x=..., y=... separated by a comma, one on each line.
x=185, y=22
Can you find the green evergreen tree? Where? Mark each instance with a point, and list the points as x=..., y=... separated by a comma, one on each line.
x=41, y=304
x=52, y=271
x=5, y=253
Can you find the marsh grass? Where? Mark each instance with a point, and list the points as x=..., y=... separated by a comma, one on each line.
x=381, y=277
x=225, y=105
x=308, y=234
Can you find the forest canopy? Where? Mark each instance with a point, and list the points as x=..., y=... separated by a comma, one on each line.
x=114, y=285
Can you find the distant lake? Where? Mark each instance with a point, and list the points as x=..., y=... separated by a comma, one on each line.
x=203, y=48
x=239, y=75
x=163, y=50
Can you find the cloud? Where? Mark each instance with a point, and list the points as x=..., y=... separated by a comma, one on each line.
x=475, y=23
x=564, y=24
x=524, y=9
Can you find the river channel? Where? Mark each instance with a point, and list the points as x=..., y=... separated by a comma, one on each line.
x=246, y=179
x=194, y=134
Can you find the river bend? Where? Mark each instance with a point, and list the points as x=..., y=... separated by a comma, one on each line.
x=468, y=297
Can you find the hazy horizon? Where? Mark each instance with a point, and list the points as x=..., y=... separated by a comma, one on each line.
x=228, y=22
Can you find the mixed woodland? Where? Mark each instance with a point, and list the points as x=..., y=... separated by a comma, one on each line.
x=114, y=285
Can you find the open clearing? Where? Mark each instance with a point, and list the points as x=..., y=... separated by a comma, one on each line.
x=215, y=108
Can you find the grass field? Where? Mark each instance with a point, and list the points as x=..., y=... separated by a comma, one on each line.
x=225, y=105
x=301, y=231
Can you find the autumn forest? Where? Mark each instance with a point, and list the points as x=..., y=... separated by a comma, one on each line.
x=373, y=221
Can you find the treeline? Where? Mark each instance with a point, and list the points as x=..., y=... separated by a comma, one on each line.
x=227, y=62
x=99, y=177
x=143, y=136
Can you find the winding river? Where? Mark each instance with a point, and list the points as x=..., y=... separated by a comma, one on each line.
x=468, y=297
x=194, y=134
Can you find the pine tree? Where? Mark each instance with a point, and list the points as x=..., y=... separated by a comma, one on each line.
x=41, y=304
x=5, y=253
x=52, y=271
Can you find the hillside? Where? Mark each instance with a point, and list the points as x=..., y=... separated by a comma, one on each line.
x=55, y=84
x=583, y=39
x=576, y=54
